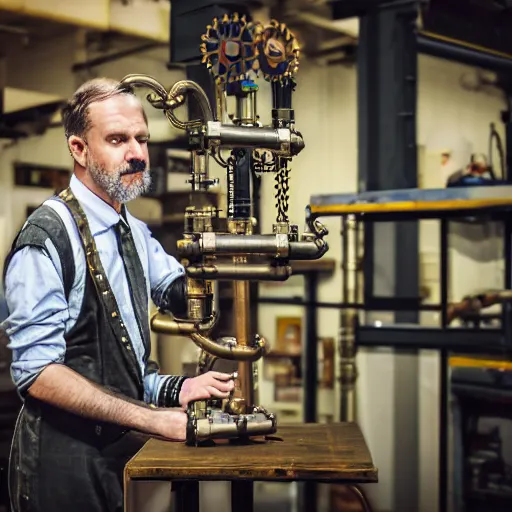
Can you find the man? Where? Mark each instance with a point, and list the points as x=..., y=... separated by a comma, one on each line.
x=77, y=284
x=475, y=173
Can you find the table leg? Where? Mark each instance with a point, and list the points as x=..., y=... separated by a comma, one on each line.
x=187, y=496
x=309, y=496
x=128, y=494
x=242, y=496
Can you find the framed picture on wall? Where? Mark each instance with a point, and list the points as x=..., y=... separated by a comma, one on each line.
x=289, y=335
x=326, y=362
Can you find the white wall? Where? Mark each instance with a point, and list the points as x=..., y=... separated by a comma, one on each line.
x=449, y=116
x=326, y=114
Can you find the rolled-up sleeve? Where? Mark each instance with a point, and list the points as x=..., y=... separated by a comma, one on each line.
x=152, y=383
x=163, y=390
x=38, y=311
x=163, y=268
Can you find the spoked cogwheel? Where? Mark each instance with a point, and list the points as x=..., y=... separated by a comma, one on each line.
x=278, y=52
x=229, y=47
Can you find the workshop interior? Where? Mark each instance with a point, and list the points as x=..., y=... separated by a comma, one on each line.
x=335, y=176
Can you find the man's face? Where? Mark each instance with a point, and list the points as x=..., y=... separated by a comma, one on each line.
x=117, y=157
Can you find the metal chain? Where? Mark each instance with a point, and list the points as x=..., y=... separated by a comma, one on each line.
x=263, y=163
x=282, y=188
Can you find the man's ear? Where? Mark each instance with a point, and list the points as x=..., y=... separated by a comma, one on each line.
x=78, y=149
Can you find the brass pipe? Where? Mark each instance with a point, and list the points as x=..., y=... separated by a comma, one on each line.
x=272, y=245
x=242, y=333
x=205, y=429
x=165, y=324
x=249, y=271
x=230, y=352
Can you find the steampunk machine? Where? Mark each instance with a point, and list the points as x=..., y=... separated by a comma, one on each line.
x=237, y=53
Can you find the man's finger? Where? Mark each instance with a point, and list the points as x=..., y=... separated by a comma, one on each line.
x=222, y=386
x=217, y=393
x=221, y=376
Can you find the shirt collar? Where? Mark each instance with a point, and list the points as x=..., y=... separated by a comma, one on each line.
x=100, y=215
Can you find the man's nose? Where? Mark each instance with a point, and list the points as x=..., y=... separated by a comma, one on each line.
x=136, y=151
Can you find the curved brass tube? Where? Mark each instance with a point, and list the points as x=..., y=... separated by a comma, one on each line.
x=165, y=324
x=314, y=225
x=169, y=101
x=146, y=81
x=232, y=353
x=185, y=86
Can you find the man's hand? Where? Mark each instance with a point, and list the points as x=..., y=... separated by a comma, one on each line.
x=170, y=424
x=211, y=384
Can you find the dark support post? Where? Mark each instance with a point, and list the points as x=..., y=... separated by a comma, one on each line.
x=387, y=69
x=310, y=358
x=187, y=496
x=507, y=285
x=443, y=370
x=242, y=496
x=387, y=90
x=310, y=373
x=507, y=120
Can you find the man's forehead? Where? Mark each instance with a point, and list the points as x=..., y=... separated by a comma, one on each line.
x=122, y=111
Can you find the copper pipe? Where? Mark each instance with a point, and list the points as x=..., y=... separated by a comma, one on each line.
x=165, y=324
x=230, y=352
x=265, y=272
x=242, y=334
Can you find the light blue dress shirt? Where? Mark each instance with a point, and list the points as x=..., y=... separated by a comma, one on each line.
x=39, y=314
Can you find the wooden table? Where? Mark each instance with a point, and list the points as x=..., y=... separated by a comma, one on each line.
x=329, y=453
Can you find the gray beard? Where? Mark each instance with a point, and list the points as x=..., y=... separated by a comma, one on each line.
x=111, y=183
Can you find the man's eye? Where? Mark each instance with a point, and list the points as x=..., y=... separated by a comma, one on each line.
x=143, y=140
x=115, y=140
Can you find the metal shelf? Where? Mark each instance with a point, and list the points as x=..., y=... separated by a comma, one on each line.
x=433, y=338
x=416, y=204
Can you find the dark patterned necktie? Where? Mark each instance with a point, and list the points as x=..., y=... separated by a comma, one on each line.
x=135, y=276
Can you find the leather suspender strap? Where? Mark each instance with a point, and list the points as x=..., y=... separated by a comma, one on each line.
x=101, y=283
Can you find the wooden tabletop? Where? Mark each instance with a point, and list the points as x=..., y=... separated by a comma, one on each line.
x=321, y=452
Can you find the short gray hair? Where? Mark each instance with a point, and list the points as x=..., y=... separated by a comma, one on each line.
x=75, y=114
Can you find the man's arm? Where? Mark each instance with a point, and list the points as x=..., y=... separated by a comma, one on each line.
x=64, y=388
x=168, y=291
x=38, y=313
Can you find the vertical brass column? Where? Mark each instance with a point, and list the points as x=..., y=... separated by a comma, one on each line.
x=240, y=224
x=242, y=316
x=243, y=333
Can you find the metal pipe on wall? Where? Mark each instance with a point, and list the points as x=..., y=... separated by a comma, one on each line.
x=444, y=48
x=349, y=317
